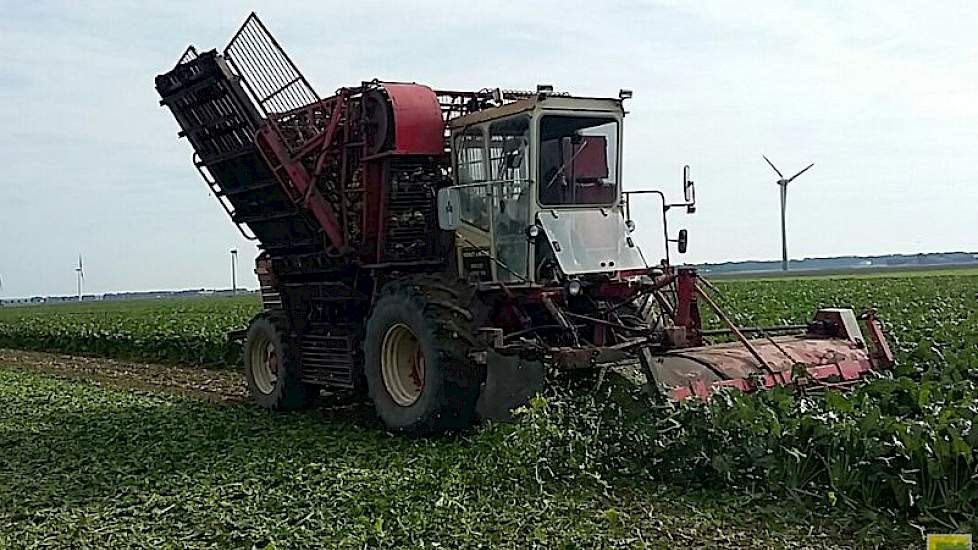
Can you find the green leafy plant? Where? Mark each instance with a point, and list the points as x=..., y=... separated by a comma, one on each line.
x=186, y=331
x=900, y=446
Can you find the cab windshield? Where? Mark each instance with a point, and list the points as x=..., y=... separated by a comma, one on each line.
x=578, y=160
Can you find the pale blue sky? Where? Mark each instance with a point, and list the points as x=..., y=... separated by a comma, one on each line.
x=881, y=95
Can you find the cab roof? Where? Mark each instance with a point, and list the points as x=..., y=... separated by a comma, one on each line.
x=555, y=102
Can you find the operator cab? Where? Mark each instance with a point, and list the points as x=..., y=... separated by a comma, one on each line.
x=537, y=195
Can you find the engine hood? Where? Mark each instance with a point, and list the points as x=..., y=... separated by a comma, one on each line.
x=593, y=240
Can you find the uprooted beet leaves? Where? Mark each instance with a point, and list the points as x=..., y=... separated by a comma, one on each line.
x=892, y=446
x=902, y=444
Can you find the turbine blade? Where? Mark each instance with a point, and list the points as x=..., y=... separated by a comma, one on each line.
x=774, y=167
x=800, y=173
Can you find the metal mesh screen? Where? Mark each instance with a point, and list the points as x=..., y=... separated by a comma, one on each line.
x=268, y=73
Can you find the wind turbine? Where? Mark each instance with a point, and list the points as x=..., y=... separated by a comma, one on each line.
x=783, y=184
x=80, y=271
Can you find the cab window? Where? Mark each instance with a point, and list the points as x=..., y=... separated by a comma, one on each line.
x=578, y=160
x=470, y=167
x=508, y=144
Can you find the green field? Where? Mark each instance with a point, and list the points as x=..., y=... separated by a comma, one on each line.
x=105, y=465
x=852, y=273
x=87, y=466
x=179, y=330
x=920, y=307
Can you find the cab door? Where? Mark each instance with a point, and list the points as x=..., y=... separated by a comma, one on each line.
x=473, y=241
x=509, y=161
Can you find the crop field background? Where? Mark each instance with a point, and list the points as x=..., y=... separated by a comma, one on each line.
x=179, y=330
x=852, y=273
x=111, y=463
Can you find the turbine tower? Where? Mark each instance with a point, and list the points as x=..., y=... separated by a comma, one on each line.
x=234, y=272
x=80, y=272
x=783, y=184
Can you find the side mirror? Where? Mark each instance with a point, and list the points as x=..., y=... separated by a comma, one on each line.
x=683, y=241
x=449, y=208
x=689, y=191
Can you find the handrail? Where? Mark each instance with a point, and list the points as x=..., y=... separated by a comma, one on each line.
x=218, y=193
x=666, y=206
x=488, y=183
x=626, y=199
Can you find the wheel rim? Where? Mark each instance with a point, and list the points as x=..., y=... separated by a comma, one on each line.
x=264, y=364
x=402, y=365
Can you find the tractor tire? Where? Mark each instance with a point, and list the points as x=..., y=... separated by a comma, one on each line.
x=271, y=370
x=416, y=363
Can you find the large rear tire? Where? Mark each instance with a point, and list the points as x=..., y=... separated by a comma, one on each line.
x=416, y=361
x=271, y=370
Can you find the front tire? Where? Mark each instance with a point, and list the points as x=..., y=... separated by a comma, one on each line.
x=416, y=348
x=271, y=370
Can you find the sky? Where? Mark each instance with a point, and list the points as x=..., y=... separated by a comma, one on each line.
x=881, y=95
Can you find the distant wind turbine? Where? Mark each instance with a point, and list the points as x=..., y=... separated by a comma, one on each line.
x=783, y=184
x=80, y=271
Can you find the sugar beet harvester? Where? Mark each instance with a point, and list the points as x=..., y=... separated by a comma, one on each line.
x=443, y=249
